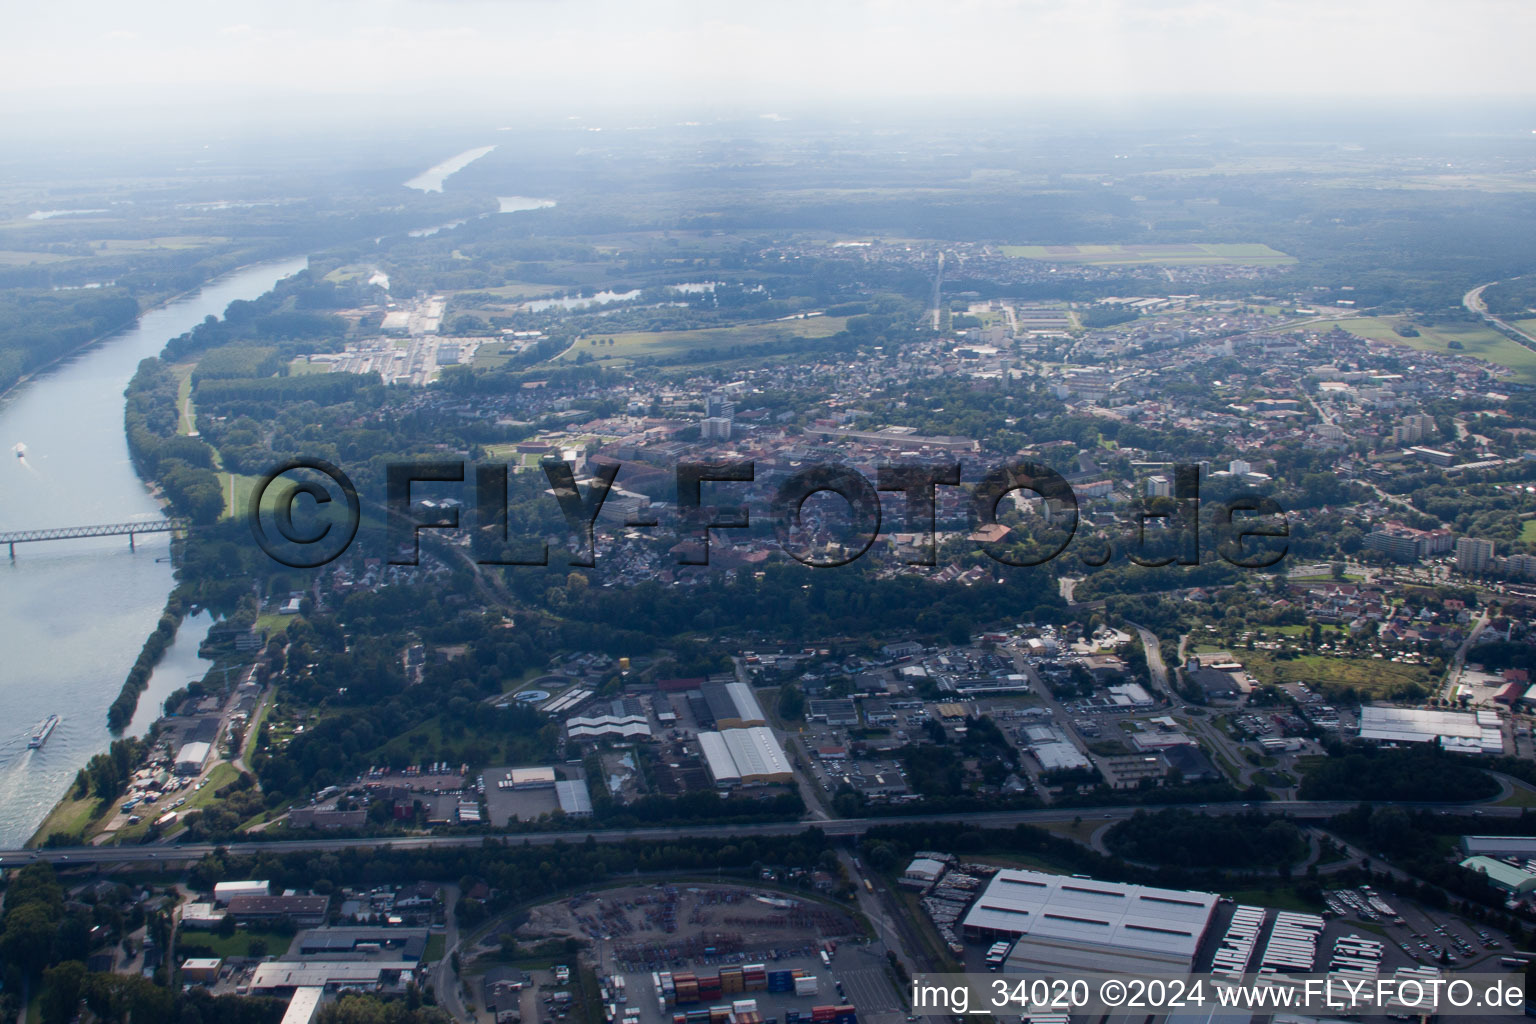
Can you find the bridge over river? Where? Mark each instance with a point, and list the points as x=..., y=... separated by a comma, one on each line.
x=14, y=537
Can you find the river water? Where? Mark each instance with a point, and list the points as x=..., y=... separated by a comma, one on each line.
x=73, y=614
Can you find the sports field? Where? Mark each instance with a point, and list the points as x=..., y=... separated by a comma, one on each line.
x=710, y=343
x=1475, y=339
x=1189, y=253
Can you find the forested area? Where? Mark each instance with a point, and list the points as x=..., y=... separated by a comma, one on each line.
x=37, y=328
x=1418, y=772
x=1183, y=838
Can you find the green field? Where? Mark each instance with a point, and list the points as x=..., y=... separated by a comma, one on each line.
x=1528, y=326
x=186, y=415
x=1528, y=532
x=519, y=290
x=1475, y=339
x=19, y=258
x=632, y=344
x=71, y=816
x=238, y=944
x=1249, y=253
x=1375, y=677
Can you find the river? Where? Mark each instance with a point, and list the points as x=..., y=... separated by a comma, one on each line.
x=74, y=614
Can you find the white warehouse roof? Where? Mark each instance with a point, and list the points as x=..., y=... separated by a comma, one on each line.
x=222, y=891
x=1500, y=846
x=746, y=702
x=281, y=974
x=1059, y=754
x=1461, y=731
x=925, y=868
x=744, y=755
x=574, y=796
x=304, y=1005
x=532, y=777
x=718, y=759
x=1085, y=924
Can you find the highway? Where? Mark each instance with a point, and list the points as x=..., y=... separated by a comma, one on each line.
x=68, y=856
x=1473, y=300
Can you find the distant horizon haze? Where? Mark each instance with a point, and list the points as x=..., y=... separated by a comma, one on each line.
x=531, y=60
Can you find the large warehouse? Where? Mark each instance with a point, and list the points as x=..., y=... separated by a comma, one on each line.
x=744, y=757
x=1081, y=924
x=1464, y=732
x=732, y=705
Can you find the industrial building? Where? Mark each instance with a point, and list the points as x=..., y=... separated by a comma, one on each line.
x=1523, y=847
x=531, y=778
x=1501, y=875
x=190, y=758
x=326, y=818
x=1082, y=924
x=304, y=911
x=200, y=970
x=623, y=718
x=575, y=799
x=732, y=705
x=839, y=711
x=1463, y=732
x=1131, y=771
x=304, y=1007
x=923, y=871
x=347, y=944
x=289, y=976
x=744, y=757
x=223, y=892
x=1053, y=750
x=200, y=916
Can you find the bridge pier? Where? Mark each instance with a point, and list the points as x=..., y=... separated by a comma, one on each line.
x=13, y=551
x=130, y=540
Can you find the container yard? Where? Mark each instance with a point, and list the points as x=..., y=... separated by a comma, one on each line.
x=705, y=954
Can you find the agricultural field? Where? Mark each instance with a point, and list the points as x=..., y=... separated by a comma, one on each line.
x=21, y=258
x=1190, y=253
x=301, y=366
x=1475, y=339
x=635, y=344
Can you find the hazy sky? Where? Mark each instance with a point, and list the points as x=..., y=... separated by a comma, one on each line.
x=537, y=54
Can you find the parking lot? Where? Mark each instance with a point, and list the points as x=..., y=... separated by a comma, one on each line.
x=1424, y=934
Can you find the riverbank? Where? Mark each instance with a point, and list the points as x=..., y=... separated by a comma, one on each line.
x=78, y=612
x=86, y=346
